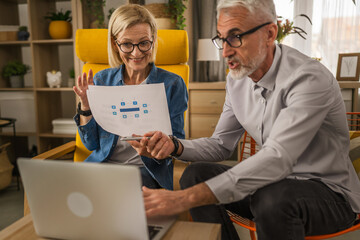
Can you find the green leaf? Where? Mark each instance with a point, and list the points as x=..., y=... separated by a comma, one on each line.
x=14, y=68
x=59, y=16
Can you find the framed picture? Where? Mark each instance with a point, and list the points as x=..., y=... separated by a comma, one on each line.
x=348, y=68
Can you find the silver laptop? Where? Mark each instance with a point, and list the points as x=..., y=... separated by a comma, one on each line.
x=71, y=200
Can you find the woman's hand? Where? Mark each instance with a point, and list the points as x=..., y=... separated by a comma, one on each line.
x=140, y=147
x=83, y=83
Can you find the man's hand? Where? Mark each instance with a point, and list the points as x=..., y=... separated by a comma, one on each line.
x=160, y=202
x=158, y=145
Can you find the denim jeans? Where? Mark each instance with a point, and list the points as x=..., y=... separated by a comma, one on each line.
x=147, y=180
x=284, y=210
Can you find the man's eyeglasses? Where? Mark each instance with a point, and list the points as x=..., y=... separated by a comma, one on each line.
x=234, y=40
x=128, y=47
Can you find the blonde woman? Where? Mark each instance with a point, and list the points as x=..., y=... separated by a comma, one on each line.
x=132, y=35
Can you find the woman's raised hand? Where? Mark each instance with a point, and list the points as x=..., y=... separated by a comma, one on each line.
x=83, y=83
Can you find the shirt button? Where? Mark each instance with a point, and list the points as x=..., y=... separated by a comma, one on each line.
x=259, y=128
x=231, y=198
x=262, y=101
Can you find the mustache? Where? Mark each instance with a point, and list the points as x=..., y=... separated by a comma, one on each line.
x=232, y=59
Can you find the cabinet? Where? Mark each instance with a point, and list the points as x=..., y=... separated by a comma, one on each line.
x=354, y=87
x=205, y=106
x=43, y=54
x=206, y=101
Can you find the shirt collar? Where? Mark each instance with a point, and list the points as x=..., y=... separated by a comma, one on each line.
x=152, y=78
x=268, y=80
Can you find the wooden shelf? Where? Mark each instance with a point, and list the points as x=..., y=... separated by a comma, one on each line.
x=52, y=135
x=43, y=54
x=18, y=134
x=17, y=1
x=62, y=89
x=15, y=43
x=349, y=84
x=53, y=41
x=17, y=89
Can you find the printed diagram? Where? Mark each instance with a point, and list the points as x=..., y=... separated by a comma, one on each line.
x=132, y=109
x=127, y=110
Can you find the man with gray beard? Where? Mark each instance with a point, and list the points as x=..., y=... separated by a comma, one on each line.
x=301, y=182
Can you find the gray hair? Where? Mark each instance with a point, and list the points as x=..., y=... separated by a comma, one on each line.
x=124, y=17
x=260, y=9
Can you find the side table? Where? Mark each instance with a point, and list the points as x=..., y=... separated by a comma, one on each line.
x=10, y=122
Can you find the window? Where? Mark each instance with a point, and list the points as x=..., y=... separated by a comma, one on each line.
x=335, y=28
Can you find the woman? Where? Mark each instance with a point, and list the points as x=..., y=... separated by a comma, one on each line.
x=132, y=36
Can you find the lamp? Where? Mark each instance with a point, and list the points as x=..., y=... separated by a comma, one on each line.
x=206, y=51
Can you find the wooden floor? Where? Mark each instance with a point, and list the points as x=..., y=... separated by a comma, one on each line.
x=11, y=204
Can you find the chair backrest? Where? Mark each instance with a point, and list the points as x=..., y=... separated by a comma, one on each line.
x=248, y=148
x=91, y=48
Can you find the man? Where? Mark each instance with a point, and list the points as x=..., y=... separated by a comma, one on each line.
x=302, y=181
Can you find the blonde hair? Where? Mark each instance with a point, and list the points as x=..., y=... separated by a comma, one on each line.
x=124, y=17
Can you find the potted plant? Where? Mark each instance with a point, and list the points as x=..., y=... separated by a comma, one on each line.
x=60, y=26
x=23, y=33
x=95, y=11
x=15, y=71
x=71, y=80
x=287, y=27
x=176, y=9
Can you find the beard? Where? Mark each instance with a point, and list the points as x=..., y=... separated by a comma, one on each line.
x=246, y=69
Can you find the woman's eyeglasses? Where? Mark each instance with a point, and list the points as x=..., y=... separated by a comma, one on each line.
x=128, y=47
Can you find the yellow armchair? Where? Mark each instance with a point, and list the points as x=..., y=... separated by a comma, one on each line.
x=91, y=48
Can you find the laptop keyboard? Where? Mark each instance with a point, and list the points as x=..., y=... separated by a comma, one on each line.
x=153, y=230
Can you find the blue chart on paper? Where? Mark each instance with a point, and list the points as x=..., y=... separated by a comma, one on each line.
x=130, y=109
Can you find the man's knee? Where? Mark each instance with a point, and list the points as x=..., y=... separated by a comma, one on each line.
x=274, y=200
x=200, y=172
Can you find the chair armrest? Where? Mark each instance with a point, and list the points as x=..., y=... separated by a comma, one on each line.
x=57, y=152
x=179, y=167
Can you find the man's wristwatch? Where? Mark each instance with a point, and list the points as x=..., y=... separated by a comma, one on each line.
x=84, y=113
x=176, y=145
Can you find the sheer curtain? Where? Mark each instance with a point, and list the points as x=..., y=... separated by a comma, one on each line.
x=336, y=30
x=204, y=26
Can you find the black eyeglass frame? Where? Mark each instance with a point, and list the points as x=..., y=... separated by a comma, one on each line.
x=238, y=36
x=133, y=46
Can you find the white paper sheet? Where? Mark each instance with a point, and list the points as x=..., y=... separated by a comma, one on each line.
x=132, y=109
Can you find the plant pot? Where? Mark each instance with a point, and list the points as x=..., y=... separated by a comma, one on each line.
x=23, y=35
x=60, y=29
x=17, y=81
